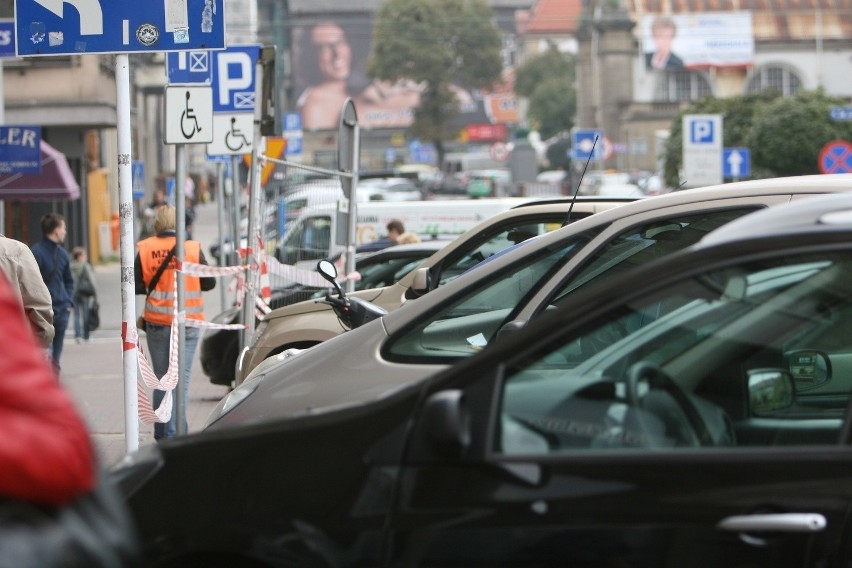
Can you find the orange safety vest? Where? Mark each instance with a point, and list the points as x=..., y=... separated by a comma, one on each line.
x=159, y=304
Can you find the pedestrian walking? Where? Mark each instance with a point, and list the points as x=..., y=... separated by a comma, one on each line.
x=85, y=292
x=21, y=270
x=55, y=267
x=155, y=275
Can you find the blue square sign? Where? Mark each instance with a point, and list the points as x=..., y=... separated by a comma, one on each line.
x=587, y=144
x=234, y=78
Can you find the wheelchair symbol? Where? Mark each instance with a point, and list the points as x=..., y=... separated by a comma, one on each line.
x=188, y=117
x=235, y=139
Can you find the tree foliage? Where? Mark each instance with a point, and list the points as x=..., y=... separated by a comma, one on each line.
x=441, y=44
x=783, y=134
x=547, y=80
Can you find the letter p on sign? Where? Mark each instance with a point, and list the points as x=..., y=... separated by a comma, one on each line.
x=702, y=132
x=235, y=74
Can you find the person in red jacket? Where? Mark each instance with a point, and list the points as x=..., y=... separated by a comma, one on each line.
x=46, y=454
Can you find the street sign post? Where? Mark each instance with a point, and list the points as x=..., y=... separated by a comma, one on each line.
x=234, y=83
x=189, y=115
x=736, y=162
x=72, y=27
x=20, y=149
x=702, y=149
x=584, y=146
x=836, y=157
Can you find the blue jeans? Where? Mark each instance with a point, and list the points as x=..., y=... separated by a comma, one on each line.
x=60, y=324
x=158, y=347
x=81, y=317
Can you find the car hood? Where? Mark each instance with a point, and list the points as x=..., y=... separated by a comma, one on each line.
x=339, y=373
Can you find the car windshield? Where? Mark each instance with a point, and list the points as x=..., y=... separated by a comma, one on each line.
x=473, y=320
x=469, y=323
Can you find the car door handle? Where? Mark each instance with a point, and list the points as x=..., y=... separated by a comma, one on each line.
x=781, y=522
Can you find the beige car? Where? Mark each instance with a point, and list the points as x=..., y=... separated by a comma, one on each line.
x=308, y=323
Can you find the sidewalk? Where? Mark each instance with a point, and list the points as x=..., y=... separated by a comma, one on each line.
x=93, y=372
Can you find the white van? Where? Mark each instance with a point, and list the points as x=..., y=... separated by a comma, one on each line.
x=319, y=232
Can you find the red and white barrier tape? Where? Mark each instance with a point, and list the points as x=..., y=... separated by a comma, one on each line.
x=294, y=274
x=169, y=380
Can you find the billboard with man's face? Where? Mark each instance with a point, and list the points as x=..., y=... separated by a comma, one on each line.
x=329, y=66
x=697, y=40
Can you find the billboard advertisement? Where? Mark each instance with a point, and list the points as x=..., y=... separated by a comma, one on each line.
x=329, y=65
x=697, y=41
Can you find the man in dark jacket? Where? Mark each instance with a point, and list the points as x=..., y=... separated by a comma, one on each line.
x=55, y=267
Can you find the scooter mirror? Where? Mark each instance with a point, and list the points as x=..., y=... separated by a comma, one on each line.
x=327, y=269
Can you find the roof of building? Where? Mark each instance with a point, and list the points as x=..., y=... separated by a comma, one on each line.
x=772, y=20
x=554, y=17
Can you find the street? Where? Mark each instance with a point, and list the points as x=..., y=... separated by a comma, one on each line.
x=93, y=371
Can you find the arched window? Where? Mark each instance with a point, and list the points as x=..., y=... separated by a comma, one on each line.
x=778, y=77
x=682, y=86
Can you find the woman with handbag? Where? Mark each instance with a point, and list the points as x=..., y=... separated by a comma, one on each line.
x=155, y=275
x=85, y=292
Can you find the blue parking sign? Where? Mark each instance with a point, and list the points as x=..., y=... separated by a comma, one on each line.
x=702, y=131
x=234, y=78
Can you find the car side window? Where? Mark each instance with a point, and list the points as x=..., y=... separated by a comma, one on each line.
x=508, y=235
x=309, y=241
x=729, y=362
x=646, y=243
x=385, y=273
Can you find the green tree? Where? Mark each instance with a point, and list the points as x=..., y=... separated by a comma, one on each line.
x=547, y=81
x=789, y=133
x=443, y=45
x=784, y=134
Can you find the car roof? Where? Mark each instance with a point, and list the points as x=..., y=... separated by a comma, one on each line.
x=815, y=185
x=819, y=213
x=563, y=200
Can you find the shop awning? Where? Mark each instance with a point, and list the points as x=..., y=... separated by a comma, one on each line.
x=55, y=181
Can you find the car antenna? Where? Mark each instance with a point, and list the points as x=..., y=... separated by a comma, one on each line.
x=576, y=191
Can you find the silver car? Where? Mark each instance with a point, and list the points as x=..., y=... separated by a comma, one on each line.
x=466, y=315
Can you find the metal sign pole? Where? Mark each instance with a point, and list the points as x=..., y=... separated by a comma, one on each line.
x=127, y=244
x=220, y=211
x=236, y=198
x=348, y=152
x=180, y=224
x=353, y=207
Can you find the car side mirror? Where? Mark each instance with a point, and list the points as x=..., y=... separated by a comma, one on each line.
x=446, y=423
x=421, y=282
x=770, y=390
x=509, y=329
x=809, y=368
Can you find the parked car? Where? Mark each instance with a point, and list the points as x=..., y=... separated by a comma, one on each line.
x=389, y=189
x=220, y=347
x=602, y=245
x=308, y=323
x=691, y=413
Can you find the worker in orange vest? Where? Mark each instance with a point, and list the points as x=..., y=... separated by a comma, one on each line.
x=156, y=252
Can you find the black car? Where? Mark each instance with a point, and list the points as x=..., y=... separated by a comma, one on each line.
x=694, y=412
x=219, y=348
